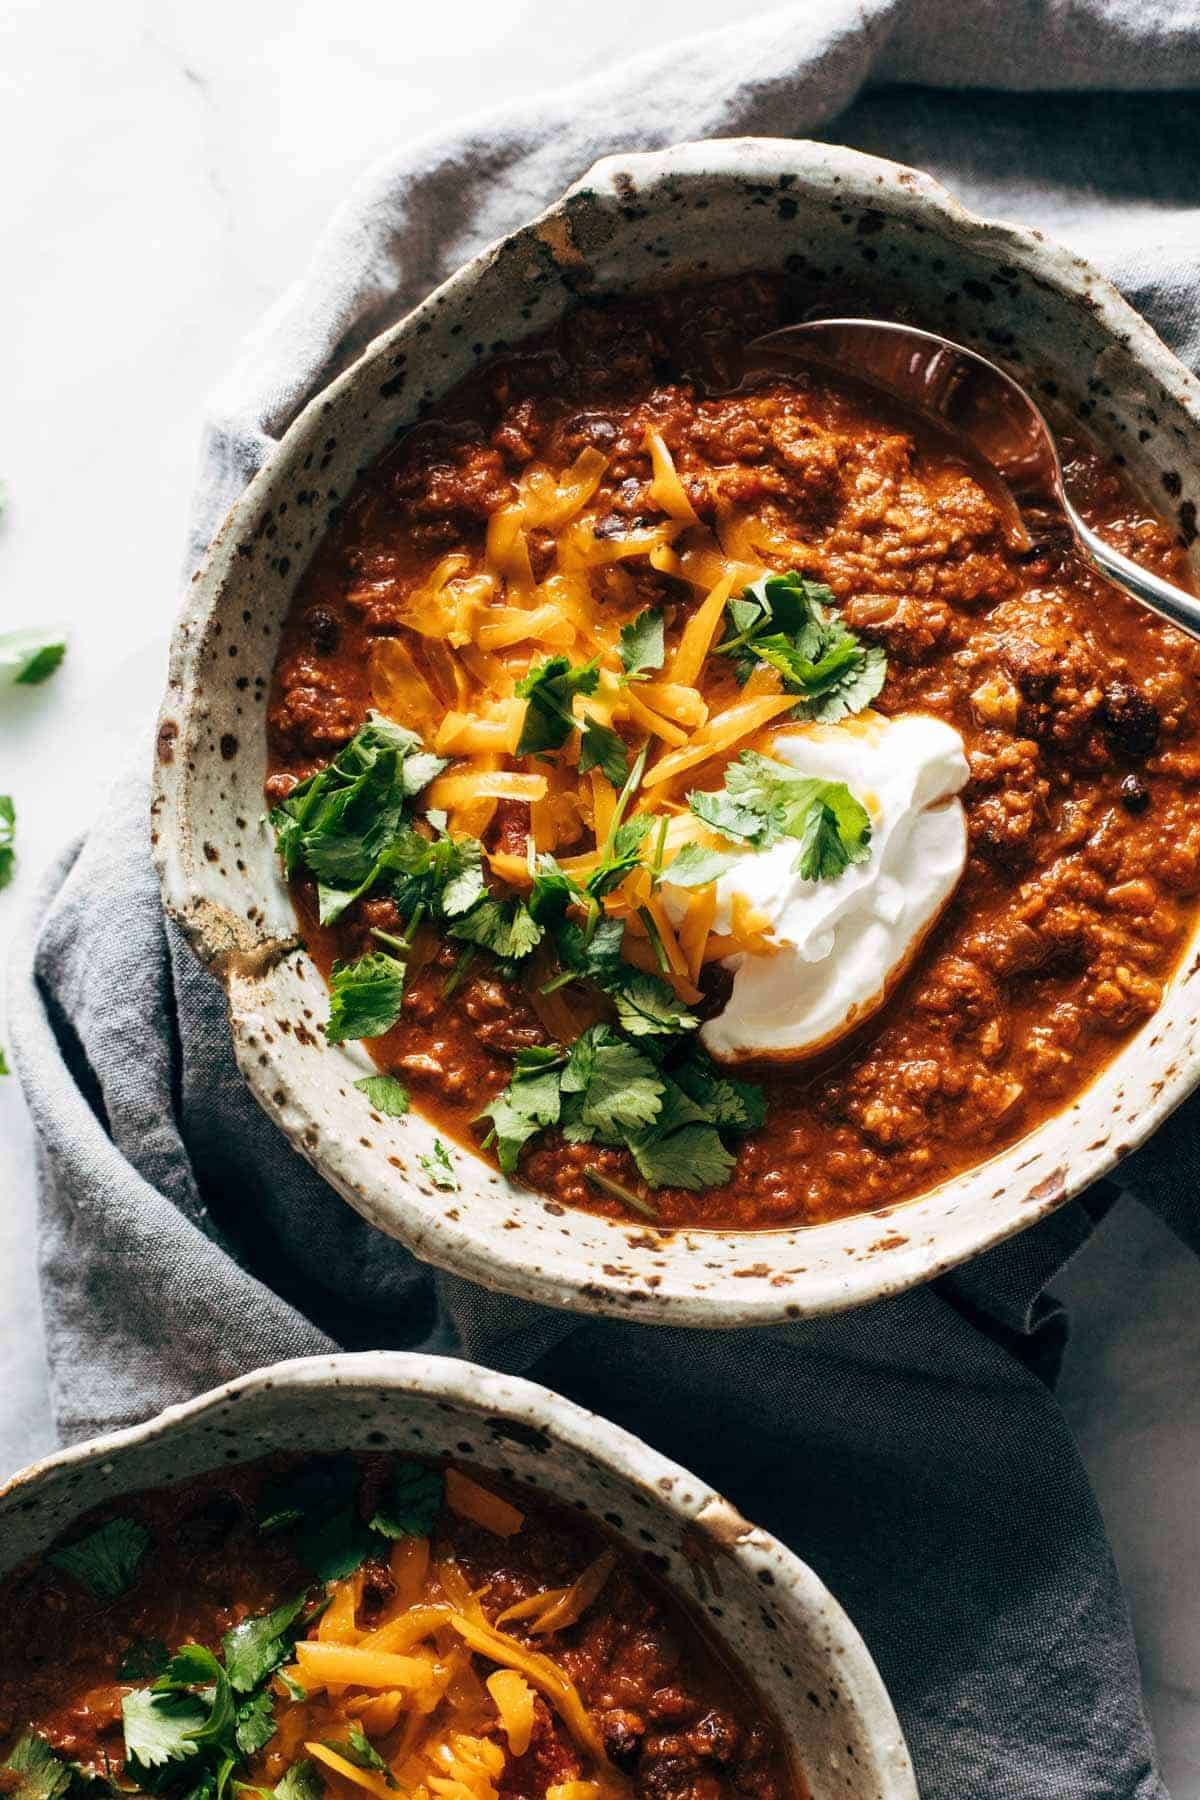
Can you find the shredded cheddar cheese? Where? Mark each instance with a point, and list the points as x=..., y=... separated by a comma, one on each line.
x=560, y=575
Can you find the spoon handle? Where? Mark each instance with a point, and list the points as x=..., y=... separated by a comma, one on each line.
x=1163, y=597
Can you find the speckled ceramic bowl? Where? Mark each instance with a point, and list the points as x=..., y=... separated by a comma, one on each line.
x=780, y=1623
x=704, y=210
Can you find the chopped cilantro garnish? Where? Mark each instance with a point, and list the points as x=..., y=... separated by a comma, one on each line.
x=506, y=927
x=302, y=1782
x=439, y=1168
x=530, y=1101
x=764, y=801
x=318, y=1507
x=357, y=1748
x=256, y=1647
x=107, y=1560
x=412, y=1502
x=550, y=687
x=735, y=1105
x=31, y=656
x=342, y=822
x=696, y=867
x=641, y=645
x=8, y=832
x=791, y=623
x=602, y=748
x=161, y=1727
x=366, y=997
x=254, y=1724
x=385, y=1094
x=33, y=1771
x=608, y=1091
x=609, y=1088
x=647, y=1007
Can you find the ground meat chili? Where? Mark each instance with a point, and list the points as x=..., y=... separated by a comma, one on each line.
x=365, y=1624
x=1076, y=708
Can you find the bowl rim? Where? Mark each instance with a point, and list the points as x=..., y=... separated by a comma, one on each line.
x=603, y=1289
x=474, y=1388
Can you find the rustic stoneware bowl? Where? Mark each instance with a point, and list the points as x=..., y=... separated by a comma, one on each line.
x=781, y=1624
x=633, y=222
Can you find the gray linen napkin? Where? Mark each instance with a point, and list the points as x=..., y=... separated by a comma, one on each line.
x=913, y=1452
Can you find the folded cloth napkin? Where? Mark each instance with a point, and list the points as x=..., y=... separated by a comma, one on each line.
x=912, y=1452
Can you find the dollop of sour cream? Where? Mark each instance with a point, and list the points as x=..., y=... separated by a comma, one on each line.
x=840, y=945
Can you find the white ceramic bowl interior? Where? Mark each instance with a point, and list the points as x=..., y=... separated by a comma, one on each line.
x=699, y=210
x=781, y=1624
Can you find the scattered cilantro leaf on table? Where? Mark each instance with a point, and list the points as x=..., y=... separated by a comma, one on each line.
x=31, y=656
x=105, y=1562
x=8, y=832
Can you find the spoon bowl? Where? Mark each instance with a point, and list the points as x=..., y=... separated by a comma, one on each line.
x=977, y=404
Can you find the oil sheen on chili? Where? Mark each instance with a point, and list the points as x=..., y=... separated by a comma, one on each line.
x=325, y=1628
x=606, y=577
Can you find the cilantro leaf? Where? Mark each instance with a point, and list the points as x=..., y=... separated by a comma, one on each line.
x=602, y=748
x=619, y=1089
x=506, y=927
x=728, y=1104
x=726, y=814
x=365, y=997
x=8, y=832
x=691, y=1157
x=696, y=867
x=194, y=1666
x=40, y=1773
x=642, y=646
x=161, y=1727
x=32, y=655
x=413, y=1501
x=385, y=1094
x=550, y=688
x=620, y=855
x=833, y=827
x=530, y=1101
x=439, y=1168
x=318, y=1506
x=340, y=822
x=647, y=1007
x=441, y=875
x=301, y=1782
x=791, y=623
x=107, y=1560
x=357, y=1748
x=254, y=1725
x=256, y=1647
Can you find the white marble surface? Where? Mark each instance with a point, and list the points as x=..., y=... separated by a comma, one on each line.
x=168, y=163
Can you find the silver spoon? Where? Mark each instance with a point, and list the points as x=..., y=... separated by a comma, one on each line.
x=972, y=399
